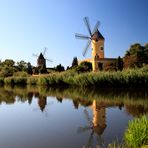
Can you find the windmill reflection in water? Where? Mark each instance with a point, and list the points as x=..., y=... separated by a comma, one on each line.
x=96, y=125
x=42, y=105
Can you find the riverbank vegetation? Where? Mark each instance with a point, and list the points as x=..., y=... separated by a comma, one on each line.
x=126, y=78
x=136, y=134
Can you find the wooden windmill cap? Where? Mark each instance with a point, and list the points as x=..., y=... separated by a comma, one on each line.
x=41, y=56
x=97, y=36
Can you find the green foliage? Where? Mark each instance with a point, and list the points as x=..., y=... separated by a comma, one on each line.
x=20, y=74
x=20, y=80
x=59, y=68
x=22, y=65
x=42, y=70
x=32, y=80
x=1, y=81
x=7, y=71
x=119, y=63
x=43, y=81
x=15, y=81
x=84, y=67
x=35, y=71
x=137, y=133
x=8, y=62
x=75, y=62
x=29, y=68
x=136, y=56
x=9, y=81
x=144, y=69
x=126, y=78
x=110, y=66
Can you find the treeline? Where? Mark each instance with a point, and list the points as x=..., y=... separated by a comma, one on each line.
x=11, y=68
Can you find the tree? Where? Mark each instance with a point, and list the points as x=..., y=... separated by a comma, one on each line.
x=29, y=68
x=7, y=71
x=84, y=67
x=136, y=56
x=119, y=63
x=60, y=68
x=42, y=70
x=35, y=71
x=75, y=62
x=22, y=65
x=110, y=66
x=8, y=62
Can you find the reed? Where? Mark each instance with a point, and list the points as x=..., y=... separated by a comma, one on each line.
x=136, y=134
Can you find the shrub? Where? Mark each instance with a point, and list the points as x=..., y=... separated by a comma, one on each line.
x=136, y=134
x=43, y=81
x=32, y=80
x=15, y=81
x=9, y=81
x=84, y=67
x=20, y=74
x=20, y=80
x=1, y=81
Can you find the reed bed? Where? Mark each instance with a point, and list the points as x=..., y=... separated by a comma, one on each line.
x=127, y=78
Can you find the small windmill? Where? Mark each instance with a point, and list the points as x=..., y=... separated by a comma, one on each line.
x=96, y=39
x=43, y=105
x=41, y=60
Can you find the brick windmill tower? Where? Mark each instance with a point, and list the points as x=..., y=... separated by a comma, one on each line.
x=41, y=60
x=96, y=40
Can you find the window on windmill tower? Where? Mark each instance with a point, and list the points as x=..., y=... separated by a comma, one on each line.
x=101, y=48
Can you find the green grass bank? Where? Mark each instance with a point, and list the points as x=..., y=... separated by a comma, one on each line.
x=127, y=78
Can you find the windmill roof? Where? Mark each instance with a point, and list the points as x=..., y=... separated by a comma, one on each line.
x=100, y=36
x=97, y=35
x=41, y=56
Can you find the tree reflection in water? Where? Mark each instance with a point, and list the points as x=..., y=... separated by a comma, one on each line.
x=134, y=101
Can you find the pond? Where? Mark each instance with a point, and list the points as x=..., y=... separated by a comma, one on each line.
x=35, y=117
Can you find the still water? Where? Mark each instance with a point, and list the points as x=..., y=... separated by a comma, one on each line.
x=66, y=117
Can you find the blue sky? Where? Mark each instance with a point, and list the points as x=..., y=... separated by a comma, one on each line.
x=27, y=26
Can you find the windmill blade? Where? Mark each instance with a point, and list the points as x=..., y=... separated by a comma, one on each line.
x=45, y=49
x=86, y=48
x=49, y=60
x=83, y=129
x=81, y=36
x=88, y=117
x=96, y=27
x=90, y=141
x=35, y=55
x=86, y=21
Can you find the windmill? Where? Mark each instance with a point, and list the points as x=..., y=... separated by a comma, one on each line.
x=41, y=60
x=96, y=39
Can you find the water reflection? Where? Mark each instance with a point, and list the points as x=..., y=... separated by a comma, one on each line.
x=86, y=117
x=96, y=125
x=134, y=102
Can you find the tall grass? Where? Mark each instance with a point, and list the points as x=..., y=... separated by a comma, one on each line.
x=126, y=78
x=137, y=133
x=1, y=81
x=15, y=81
